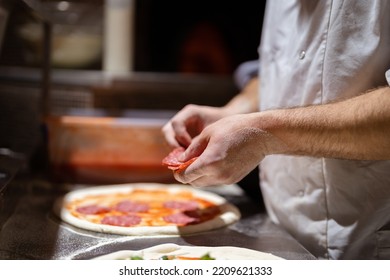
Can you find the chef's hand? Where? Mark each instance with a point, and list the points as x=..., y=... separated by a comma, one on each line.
x=189, y=122
x=227, y=150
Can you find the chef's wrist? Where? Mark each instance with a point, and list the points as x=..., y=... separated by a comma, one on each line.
x=271, y=126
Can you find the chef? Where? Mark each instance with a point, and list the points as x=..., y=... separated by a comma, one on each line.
x=317, y=119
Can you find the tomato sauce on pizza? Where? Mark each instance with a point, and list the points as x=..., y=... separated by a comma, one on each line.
x=144, y=208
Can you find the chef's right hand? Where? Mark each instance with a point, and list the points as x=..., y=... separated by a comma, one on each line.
x=189, y=122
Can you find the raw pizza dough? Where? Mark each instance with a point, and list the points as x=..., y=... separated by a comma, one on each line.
x=187, y=252
x=65, y=206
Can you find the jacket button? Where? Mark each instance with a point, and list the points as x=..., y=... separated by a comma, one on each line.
x=302, y=55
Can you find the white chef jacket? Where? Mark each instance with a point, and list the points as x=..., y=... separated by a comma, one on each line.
x=313, y=52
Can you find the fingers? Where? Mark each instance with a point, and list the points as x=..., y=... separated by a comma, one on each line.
x=202, y=171
x=176, y=134
x=169, y=135
x=202, y=181
x=181, y=134
x=204, y=176
x=200, y=175
x=177, y=130
x=225, y=153
x=188, y=123
x=195, y=149
x=193, y=173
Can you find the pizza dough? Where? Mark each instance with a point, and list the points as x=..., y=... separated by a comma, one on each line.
x=188, y=252
x=106, y=209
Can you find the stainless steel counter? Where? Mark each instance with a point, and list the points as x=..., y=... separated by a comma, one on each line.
x=31, y=231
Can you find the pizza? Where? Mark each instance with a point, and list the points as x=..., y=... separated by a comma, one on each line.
x=171, y=251
x=146, y=209
x=172, y=160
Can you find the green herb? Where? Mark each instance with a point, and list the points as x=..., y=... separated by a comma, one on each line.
x=207, y=257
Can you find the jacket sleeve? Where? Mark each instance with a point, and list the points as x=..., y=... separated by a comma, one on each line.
x=245, y=72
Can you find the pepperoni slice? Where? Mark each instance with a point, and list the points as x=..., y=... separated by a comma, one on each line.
x=180, y=219
x=203, y=214
x=184, y=165
x=92, y=209
x=182, y=205
x=172, y=160
x=128, y=206
x=122, y=221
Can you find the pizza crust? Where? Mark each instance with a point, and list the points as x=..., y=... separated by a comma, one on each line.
x=229, y=213
x=170, y=249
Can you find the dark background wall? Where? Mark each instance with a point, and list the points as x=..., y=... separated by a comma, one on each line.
x=163, y=28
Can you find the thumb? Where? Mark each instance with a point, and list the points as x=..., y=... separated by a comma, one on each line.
x=195, y=149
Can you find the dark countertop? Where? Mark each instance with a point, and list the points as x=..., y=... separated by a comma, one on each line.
x=30, y=230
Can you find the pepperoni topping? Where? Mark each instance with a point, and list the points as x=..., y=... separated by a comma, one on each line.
x=128, y=206
x=122, y=221
x=172, y=160
x=203, y=214
x=180, y=219
x=92, y=209
x=182, y=205
x=184, y=165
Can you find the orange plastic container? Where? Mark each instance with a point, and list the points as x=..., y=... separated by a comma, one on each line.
x=107, y=150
